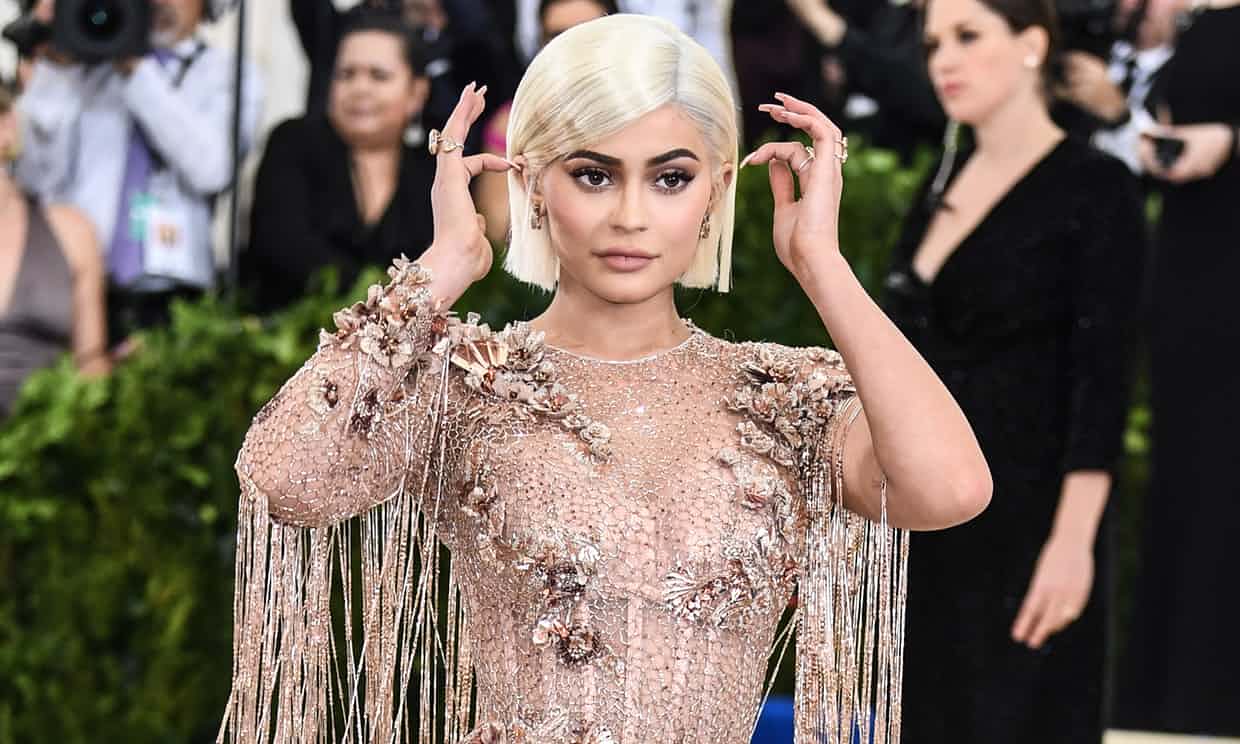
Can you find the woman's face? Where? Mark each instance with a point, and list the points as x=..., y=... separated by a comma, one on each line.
x=625, y=213
x=976, y=62
x=374, y=94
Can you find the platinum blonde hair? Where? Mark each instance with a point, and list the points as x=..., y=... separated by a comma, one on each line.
x=594, y=80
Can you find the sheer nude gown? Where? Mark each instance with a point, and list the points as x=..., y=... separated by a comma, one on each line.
x=624, y=538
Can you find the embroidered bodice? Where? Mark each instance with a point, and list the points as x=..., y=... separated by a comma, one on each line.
x=624, y=536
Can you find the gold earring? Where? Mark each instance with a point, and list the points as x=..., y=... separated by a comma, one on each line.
x=704, y=233
x=536, y=219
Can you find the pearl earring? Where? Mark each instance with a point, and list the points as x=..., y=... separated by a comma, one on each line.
x=1031, y=61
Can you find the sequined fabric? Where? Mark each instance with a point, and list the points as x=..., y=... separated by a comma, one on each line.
x=625, y=537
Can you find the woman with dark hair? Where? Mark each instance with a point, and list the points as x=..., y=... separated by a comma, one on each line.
x=1017, y=277
x=346, y=190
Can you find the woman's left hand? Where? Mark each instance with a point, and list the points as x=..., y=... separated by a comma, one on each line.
x=806, y=230
x=1058, y=592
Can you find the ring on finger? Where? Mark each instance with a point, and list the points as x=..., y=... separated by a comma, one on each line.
x=441, y=144
x=842, y=154
x=809, y=158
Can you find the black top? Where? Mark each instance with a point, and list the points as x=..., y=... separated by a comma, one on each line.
x=1029, y=324
x=305, y=215
x=1030, y=318
x=885, y=59
x=37, y=325
x=1181, y=671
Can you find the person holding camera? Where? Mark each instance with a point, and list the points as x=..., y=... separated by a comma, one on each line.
x=1114, y=91
x=51, y=278
x=128, y=117
x=1184, y=652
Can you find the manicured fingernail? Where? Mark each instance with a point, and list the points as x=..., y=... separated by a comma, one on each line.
x=513, y=165
x=781, y=96
x=748, y=157
x=482, y=91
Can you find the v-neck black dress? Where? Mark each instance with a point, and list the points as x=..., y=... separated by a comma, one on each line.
x=1029, y=323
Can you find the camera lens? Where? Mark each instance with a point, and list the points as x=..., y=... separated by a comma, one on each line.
x=101, y=20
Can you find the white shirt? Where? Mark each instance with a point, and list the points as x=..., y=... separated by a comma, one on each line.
x=1122, y=141
x=76, y=122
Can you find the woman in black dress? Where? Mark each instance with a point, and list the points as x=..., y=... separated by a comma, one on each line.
x=345, y=190
x=1017, y=277
x=1184, y=651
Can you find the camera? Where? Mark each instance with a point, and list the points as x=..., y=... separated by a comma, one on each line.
x=1088, y=25
x=86, y=30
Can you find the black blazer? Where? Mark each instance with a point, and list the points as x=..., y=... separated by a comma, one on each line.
x=305, y=214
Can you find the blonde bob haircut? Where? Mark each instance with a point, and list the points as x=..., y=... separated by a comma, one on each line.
x=594, y=80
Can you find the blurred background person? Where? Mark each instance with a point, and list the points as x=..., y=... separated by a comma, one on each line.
x=704, y=20
x=1017, y=277
x=142, y=145
x=1184, y=651
x=346, y=191
x=772, y=51
x=1114, y=91
x=491, y=189
x=878, y=47
x=51, y=278
x=461, y=40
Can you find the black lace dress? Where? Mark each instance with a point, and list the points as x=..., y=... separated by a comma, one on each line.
x=1029, y=325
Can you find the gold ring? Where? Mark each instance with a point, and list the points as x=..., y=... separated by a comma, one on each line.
x=440, y=144
x=809, y=158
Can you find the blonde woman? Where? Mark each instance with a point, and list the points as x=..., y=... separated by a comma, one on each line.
x=628, y=501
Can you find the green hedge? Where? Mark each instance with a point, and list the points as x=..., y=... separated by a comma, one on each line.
x=117, y=496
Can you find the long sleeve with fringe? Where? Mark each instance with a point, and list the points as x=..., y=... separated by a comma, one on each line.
x=624, y=539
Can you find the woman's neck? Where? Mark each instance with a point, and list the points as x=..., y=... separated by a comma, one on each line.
x=583, y=323
x=1016, y=131
x=10, y=195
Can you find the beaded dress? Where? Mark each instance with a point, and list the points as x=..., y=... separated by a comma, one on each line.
x=624, y=539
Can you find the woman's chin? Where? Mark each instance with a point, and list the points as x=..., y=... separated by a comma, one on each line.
x=627, y=288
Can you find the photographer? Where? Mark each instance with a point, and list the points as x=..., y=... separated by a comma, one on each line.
x=139, y=139
x=1114, y=92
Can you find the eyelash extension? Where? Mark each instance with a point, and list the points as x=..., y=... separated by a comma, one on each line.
x=577, y=175
x=683, y=176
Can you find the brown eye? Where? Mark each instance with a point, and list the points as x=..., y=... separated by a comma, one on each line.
x=593, y=178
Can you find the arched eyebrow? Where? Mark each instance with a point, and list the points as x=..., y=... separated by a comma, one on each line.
x=608, y=160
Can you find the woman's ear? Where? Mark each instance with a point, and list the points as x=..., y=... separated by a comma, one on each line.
x=1035, y=42
x=528, y=182
x=726, y=174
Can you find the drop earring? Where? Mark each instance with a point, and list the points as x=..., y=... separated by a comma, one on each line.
x=536, y=219
x=704, y=232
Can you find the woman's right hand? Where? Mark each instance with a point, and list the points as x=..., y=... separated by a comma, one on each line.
x=460, y=253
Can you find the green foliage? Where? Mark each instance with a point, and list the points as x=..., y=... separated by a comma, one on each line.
x=118, y=499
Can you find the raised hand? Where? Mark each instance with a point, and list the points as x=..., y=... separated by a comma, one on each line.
x=807, y=229
x=460, y=253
